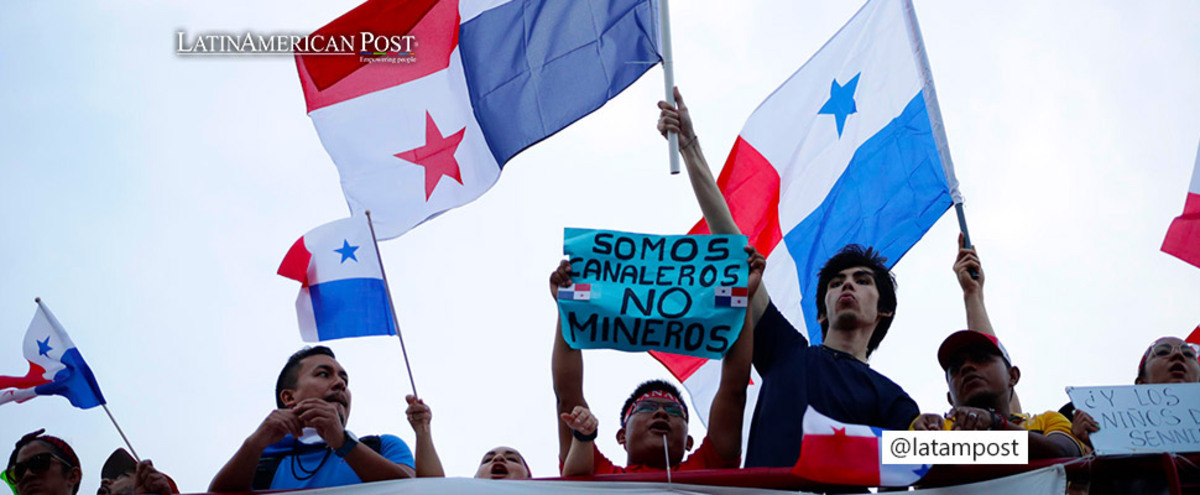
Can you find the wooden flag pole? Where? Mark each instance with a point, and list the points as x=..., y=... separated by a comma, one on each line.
x=391, y=304
x=664, y=21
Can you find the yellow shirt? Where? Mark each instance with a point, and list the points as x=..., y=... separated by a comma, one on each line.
x=1045, y=423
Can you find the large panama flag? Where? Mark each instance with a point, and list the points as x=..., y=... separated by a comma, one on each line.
x=55, y=366
x=850, y=149
x=414, y=134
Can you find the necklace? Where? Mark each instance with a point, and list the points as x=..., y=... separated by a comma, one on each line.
x=307, y=473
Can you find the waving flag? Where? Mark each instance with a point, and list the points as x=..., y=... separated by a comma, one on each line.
x=55, y=366
x=342, y=292
x=415, y=134
x=850, y=149
x=846, y=454
x=1183, y=237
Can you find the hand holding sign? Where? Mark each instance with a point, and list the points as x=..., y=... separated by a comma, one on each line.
x=636, y=292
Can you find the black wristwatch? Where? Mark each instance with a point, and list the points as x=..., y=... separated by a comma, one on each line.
x=584, y=438
x=349, y=442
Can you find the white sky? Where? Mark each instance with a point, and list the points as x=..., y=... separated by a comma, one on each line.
x=148, y=199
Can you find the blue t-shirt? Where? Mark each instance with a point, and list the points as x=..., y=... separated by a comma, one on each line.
x=316, y=466
x=796, y=375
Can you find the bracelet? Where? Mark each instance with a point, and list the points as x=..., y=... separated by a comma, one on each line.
x=690, y=143
x=584, y=438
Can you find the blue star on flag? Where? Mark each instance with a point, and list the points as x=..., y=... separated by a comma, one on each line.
x=841, y=102
x=347, y=251
x=44, y=347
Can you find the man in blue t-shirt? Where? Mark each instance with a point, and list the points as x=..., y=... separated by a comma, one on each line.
x=855, y=303
x=304, y=443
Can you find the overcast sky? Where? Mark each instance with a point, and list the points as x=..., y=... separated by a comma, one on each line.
x=148, y=198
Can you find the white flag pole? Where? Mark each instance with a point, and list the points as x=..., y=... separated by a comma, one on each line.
x=391, y=304
x=664, y=21
x=61, y=334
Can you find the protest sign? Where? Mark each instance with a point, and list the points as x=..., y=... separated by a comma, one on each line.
x=680, y=294
x=1142, y=418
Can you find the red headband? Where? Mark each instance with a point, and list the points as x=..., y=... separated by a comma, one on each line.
x=653, y=394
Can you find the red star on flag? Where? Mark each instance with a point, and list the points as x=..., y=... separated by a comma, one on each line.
x=437, y=155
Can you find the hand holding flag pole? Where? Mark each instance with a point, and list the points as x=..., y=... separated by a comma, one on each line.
x=392, y=305
x=669, y=78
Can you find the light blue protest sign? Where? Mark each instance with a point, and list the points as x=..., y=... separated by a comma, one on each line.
x=682, y=294
x=1137, y=419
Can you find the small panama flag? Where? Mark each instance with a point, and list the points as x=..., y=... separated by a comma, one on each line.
x=576, y=292
x=732, y=297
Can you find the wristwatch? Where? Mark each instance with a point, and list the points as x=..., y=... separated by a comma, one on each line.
x=349, y=442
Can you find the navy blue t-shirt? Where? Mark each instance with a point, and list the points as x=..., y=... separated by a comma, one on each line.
x=796, y=375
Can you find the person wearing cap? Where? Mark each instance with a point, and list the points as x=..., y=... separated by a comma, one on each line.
x=122, y=475
x=44, y=464
x=1167, y=360
x=304, y=443
x=654, y=411
x=981, y=379
x=856, y=301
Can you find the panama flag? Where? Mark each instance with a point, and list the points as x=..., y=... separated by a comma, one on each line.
x=342, y=292
x=416, y=133
x=847, y=454
x=1183, y=237
x=55, y=366
x=850, y=149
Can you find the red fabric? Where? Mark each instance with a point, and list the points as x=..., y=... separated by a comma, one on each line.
x=295, y=263
x=33, y=378
x=1183, y=237
x=382, y=18
x=704, y=457
x=839, y=459
x=751, y=188
x=333, y=79
x=1195, y=336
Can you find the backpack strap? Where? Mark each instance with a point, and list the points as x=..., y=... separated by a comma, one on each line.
x=269, y=463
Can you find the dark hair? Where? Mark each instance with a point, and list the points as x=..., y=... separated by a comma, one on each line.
x=650, y=386
x=57, y=446
x=290, y=373
x=849, y=257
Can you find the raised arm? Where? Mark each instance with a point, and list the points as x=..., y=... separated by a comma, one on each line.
x=977, y=317
x=581, y=457
x=566, y=367
x=425, y=456
x=729, y=403
x=716, y=212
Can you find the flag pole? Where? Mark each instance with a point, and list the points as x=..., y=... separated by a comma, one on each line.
x=62, y=333
x=391, y=304
x=962, y=227
x=664, y=21
x=122, y=432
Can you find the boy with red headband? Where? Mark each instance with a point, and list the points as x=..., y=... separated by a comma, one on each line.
x=654, y=411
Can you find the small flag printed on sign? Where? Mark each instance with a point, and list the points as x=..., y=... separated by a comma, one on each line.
x=732, y=297
x=576, y=292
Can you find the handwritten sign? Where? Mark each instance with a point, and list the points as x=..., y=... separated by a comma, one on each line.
x=1142, y=418
x=680, y=294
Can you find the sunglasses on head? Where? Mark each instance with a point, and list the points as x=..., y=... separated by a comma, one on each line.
x=1188, y=349
x=39, y=463
x=648, y=406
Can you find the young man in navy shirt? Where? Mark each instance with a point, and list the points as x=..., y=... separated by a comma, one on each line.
x=855, y=303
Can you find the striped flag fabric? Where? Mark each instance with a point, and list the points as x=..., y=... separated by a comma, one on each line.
x=1183, y=237
x=849, y=454
x=342, y=293
x=55, y=366
x=417, y=135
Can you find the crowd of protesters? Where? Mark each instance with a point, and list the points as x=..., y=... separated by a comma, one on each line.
x=304, y=443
